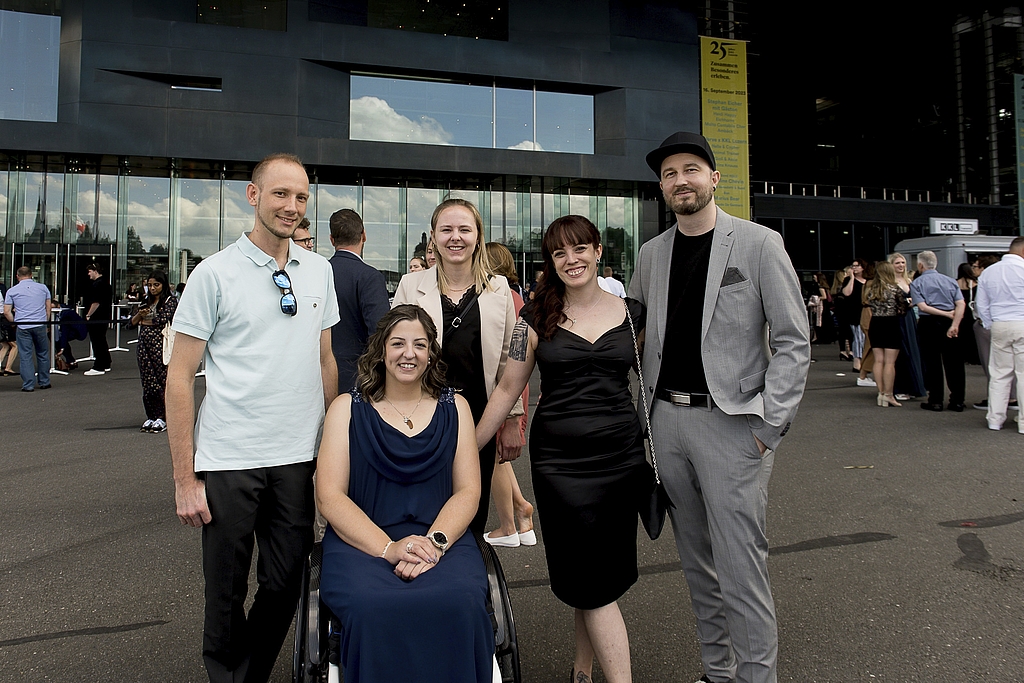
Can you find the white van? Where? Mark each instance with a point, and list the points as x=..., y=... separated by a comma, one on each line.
x=952, y=250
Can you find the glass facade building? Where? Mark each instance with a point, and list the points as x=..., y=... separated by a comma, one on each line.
x=136, y=215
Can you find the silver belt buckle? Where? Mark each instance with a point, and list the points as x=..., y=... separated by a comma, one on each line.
x=678, y=398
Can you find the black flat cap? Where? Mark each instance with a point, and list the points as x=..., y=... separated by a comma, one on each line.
x=680, y=143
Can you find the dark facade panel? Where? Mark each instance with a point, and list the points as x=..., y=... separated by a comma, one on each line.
x=645, y=89
x=872, y=210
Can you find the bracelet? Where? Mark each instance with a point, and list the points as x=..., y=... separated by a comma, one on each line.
x=385, y=553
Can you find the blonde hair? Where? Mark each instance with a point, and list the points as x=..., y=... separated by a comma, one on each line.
x=481, y=265
x=885, y=279
x=502, y=262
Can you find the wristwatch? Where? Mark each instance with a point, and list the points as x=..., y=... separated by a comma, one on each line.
x=440, y=540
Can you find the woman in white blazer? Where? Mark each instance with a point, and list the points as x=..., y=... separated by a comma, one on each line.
x=474, y=314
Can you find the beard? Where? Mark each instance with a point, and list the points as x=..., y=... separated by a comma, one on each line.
x=267, y=220
x=684, y=206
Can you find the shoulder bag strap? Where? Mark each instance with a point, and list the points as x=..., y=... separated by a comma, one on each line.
x=643, y=393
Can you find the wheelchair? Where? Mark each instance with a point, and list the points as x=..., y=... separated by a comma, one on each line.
x=317, y=653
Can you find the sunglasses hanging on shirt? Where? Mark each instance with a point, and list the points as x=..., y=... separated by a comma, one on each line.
x=288, y=304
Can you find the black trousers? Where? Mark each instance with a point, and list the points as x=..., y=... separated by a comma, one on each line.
x=937, y=352
x=274, y=507
x=100, y=350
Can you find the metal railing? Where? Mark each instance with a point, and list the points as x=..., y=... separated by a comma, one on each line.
x=857, y=192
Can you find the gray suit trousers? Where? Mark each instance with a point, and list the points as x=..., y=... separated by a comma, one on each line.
x=718, y=481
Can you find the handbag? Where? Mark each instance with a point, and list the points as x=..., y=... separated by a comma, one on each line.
x=168, y=335
x=654, y=501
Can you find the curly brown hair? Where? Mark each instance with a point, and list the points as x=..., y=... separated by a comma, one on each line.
x=549, y=301
x=370, y=365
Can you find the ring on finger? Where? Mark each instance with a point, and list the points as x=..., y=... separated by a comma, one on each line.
x=408, y=547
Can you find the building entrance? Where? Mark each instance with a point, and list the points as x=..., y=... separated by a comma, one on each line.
x=62, y=267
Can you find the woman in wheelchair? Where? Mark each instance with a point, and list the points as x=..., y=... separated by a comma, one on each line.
x=398, y=481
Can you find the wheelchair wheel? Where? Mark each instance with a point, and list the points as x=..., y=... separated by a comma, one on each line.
x=309, y=658
x=506, y=647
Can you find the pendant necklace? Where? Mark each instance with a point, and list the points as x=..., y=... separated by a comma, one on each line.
x=406, y=420
x=572, y=321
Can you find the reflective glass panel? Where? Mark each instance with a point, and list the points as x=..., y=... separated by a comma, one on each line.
x=869, y=241
x=565, y=122
x=271, y=15
x=801, y=239
x=237, y=214
x=420, y=207
x=95, y=215
x=580, y=205
x=199, y=218
x=514, y=119
x=3, y=205
x=54, y=206
x=29, y=217
x=836, y=246
x=29, y=64
x=478, y=19
x=148, y=215
x=399, y=110
x=381, y=218
x=329, y=199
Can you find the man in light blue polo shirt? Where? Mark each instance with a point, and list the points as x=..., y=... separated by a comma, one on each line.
x=260, y=312
x=29, y=302
x=941, y=305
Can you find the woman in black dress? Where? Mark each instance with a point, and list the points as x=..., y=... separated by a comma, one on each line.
x=586, y=447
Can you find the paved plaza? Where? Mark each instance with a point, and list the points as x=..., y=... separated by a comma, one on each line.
x=897, y=547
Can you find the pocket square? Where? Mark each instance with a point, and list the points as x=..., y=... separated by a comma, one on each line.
x=732, y=276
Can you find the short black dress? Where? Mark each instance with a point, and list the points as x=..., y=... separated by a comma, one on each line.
x=588, y=462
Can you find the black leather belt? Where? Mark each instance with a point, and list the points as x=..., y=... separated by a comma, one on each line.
x=684, y=399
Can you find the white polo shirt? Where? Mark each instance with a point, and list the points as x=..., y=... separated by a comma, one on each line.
x=264, y=402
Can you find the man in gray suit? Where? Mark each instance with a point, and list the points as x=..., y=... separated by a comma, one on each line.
x=726, y=358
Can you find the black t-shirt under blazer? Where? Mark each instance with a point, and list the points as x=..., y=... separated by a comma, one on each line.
x=682, y=368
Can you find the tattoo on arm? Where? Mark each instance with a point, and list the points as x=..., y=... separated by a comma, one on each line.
x=520, y=340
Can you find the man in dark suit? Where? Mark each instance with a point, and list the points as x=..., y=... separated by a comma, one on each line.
x=362, y=295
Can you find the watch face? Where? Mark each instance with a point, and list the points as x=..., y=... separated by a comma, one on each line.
x=439, y=538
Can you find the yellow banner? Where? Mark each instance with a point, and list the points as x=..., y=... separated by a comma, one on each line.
x=723, y=108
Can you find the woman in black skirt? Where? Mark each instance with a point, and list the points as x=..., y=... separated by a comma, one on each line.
x=887, y=303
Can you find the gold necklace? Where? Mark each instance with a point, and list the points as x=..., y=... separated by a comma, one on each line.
x=406, y=419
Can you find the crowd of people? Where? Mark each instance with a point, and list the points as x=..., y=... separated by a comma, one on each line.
x=911, y=334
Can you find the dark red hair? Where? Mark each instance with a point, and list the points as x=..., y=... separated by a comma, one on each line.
x=567, y=231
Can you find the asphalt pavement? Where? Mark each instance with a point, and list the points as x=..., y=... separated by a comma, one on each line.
x=896, y=534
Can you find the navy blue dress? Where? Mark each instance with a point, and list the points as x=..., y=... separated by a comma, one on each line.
x=435, y=627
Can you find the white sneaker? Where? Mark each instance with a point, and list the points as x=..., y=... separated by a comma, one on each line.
x=146, y=426
x=158, y=426
x=93, y=373
x=866, y=382
x=994, y=426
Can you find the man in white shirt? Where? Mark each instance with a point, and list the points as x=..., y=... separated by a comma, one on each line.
x=260, y=312
x=609, y=284
x=1000, y=307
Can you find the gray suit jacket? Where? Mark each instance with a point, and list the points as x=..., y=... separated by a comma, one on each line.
x=751, y=286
